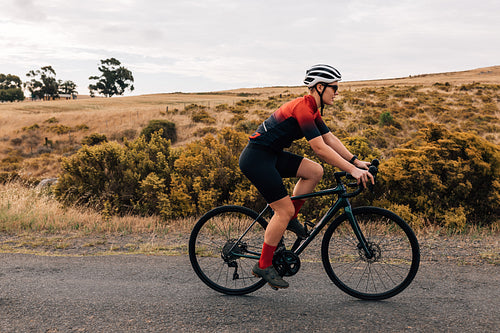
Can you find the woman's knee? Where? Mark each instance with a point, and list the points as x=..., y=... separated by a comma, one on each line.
x=318, y=171
x=283, y=208
x=310, y=170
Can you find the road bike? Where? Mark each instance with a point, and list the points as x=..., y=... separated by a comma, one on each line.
x=368, y=252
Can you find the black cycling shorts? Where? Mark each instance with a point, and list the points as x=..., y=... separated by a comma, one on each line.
x=266, y=168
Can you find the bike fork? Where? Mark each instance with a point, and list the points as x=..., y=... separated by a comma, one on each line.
x=363, y=243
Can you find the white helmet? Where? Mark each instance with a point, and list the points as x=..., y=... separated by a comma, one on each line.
x=321, y=74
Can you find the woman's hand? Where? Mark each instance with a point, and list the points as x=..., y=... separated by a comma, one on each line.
x=362, y=176
x=361, y=164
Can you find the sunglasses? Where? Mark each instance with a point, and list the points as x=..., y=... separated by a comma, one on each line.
x=335, y=87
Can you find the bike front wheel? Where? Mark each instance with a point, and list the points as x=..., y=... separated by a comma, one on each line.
x=219, y=257
x=394, y=259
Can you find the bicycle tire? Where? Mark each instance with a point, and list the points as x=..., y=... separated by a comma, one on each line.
x=389, y=272
x=212, y=237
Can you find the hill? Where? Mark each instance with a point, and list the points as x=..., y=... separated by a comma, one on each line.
x=35, y=135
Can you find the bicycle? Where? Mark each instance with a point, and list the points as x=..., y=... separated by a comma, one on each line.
x=368, y=252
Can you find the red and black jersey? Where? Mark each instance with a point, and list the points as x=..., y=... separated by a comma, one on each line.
x=292, y=121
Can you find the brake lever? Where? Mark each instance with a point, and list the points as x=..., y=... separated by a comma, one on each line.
x=373, y=169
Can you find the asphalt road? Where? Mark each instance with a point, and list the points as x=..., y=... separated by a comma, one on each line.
x=138, y=293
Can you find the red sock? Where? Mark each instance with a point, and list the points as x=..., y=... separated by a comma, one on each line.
x=297, y=203
x=266, y=258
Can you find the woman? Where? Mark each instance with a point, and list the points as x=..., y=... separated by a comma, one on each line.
x=265, y=163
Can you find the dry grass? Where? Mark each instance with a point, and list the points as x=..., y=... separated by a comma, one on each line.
x=33, y=222
x=25, y=209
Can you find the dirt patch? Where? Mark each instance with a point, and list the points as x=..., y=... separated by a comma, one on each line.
x=462, y=250
x=72, y=244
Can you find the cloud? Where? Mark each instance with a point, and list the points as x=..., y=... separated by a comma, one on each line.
x=236, y=43
x=25, y=10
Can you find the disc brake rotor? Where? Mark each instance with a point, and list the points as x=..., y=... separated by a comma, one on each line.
x=375, y=251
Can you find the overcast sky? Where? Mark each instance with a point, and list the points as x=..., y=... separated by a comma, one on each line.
x=211, y=45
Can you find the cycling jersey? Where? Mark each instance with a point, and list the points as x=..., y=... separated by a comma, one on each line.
x=292, y=121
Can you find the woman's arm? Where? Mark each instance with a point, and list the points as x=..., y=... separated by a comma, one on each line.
x=331, y=156
x=337, y=145
x=332, y=141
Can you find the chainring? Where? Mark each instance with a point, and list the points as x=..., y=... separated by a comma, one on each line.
x=286, y=263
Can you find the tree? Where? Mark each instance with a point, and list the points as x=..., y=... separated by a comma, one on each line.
x=114, y=80
x=10, y=81
x=10, y=88
x=43, y=83
x=67, y=87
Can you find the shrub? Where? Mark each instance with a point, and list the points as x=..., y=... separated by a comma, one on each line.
x=441, y=173
x=193, y=106
x=168, y=129
x=140, y=177
x=207, y=174
x=247, y=126
x=386, y=119
x=92, y=176
x=51, y=120
x=81, y=127
x=59, y=129
x=16, y=141
x=247, y=102
x=11, y=95
x=31, y=128
x=202, y=116
x=205, y=130
x=94, y=139
x=120, y=179
x=222, y=107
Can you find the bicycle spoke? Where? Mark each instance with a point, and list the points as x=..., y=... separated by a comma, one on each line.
x=217, y=256
x=388, y=268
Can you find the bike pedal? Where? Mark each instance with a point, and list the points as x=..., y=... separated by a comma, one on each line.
x=274, y=288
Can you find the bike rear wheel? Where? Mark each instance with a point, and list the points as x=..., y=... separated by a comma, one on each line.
x=218, y=259
x=395, y=261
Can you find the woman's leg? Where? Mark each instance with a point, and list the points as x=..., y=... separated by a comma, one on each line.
x=310, y=174
x=283, y=212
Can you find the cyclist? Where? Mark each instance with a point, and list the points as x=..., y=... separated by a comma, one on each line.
x=265, y=163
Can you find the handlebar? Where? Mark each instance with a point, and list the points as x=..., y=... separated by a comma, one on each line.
x=373, y=169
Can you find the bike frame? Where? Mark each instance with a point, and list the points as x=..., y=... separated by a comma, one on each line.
x=342, y=202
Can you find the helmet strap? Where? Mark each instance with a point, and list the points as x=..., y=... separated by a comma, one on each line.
x=320, y=97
